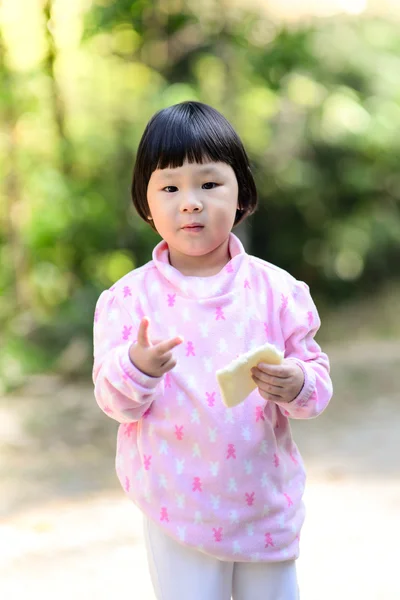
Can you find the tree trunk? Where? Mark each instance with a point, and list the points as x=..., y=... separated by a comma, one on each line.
x=58, y=107
x=12, y=191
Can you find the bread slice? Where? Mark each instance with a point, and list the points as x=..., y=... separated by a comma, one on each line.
x=235, y=379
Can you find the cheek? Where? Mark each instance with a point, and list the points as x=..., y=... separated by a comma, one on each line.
x=158, y=207
x=230, y=200
x=227, y=210
x=164, y=221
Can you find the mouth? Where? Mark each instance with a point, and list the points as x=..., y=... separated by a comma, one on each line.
x=193, y=227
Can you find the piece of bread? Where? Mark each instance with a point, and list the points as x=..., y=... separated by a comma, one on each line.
x=235, y=379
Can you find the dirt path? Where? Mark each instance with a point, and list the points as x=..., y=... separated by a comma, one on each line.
x=67, y=531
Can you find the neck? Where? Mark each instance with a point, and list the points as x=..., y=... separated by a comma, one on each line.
x=206, y=265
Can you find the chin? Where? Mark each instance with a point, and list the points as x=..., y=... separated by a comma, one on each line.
x=196, y=251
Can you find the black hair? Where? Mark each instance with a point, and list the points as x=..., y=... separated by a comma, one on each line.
x=195, y=132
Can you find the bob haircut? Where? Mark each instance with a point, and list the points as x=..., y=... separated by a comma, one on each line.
x=198, y=133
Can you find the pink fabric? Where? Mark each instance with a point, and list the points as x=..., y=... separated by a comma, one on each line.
x=226, y=481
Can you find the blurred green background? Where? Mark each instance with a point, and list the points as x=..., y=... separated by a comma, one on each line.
x=317, y=104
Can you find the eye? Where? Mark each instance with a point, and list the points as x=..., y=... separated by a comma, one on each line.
x=210, y=185
x=170, y=189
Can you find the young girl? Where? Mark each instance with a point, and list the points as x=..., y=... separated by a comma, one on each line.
x=220, y=488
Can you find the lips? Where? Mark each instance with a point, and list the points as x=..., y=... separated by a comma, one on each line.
x=193, y=226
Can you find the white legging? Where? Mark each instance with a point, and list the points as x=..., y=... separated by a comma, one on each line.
x=181, y=573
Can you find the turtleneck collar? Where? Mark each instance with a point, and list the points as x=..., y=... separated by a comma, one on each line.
x=201, y=287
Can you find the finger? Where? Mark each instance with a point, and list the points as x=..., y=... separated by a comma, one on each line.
x=164, y=347
x=165, y=358
x=143, y=333
x=277, y=381
x=273, y=392
x=168, y=366
x=271, y=397
x=281, y=371
x=270, y=389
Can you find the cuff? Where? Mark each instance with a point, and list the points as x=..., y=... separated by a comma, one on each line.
x=308, y=386
x=141, y=380
x=301, y=400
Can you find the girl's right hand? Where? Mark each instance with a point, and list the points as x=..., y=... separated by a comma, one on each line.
x=152, y=358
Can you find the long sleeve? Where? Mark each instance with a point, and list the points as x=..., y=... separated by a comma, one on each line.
x=122, y=391
x=300, y=323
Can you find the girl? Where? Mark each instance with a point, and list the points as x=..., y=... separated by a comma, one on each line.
x=220, y=488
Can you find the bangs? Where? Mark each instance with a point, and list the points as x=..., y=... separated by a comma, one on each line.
x=185, y=134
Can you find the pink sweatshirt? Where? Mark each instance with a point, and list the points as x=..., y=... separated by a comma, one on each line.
x=228, y=482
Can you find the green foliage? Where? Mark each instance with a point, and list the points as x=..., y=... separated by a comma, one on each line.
x=318, y=110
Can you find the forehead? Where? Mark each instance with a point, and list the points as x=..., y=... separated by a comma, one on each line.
x=192, y=169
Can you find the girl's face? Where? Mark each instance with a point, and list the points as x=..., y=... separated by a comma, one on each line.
x=193, y=208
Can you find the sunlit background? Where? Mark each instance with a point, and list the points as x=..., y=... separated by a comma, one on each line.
x=313, y=88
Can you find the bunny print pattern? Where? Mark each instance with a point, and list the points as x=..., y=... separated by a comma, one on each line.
x=231, y=479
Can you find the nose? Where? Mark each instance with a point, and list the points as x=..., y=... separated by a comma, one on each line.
x=191, y=203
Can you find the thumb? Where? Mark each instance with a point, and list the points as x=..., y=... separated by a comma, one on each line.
x=143, y=333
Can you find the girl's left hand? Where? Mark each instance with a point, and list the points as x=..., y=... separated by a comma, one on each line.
x=279, y=383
